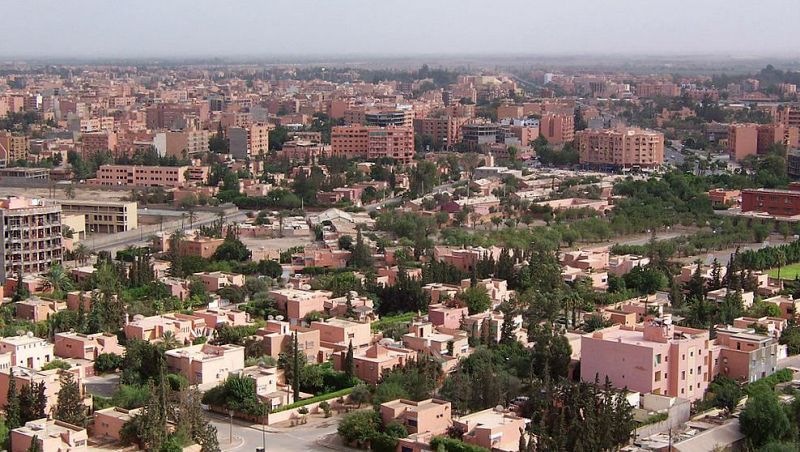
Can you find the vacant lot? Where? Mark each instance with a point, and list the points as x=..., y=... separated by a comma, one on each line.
x=787, y=271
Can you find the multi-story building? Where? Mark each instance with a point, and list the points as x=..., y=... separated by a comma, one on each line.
x=13, y=147
x=656, y=89
x=478, y=134
x=31, y=236
x=622, y=148
x=250, y=141
x=141, y=176
x=373, y=142
x=104, y=217
x=277, y=337
x=181, y=144
x=788, y=115
x=340, y=333
x=370, y=364
x=444, y=131
x=658, y=358
x=213, y=281
x=742, y=140
x=557, y=128
x=745, y=355
x=402, y=117
x=98, y=142
x=785, y=203
x=27, y=350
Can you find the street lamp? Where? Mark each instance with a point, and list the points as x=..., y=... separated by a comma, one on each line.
x=230, y=430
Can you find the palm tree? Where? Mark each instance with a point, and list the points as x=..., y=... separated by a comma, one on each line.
x=169, y=341
x=192, y=217
x=81, y=253
x=58, y=279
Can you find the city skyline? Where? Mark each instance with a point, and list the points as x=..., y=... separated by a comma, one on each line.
x=90, y=29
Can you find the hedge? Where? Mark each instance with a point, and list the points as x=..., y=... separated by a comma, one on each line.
x=319, y=398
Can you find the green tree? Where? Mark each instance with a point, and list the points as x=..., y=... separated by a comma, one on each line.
x=359, y=428
x=348, y=361
x=476, y=299
x=58, y=279
x=763, y=420
x=69, y=406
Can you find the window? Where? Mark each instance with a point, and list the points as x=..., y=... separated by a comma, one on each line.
x=658, y=358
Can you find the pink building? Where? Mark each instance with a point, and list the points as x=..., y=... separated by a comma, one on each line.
x=24, y=376
x=277, y=337
x=214, y=317
x=141, y=176
x=447, y=316
x=623, y=264
x=373, y=142
x=375, y=360
x=213, y=281
x=86, y=346
x=321, y=258
x=745, y=355
x=52, y=436
x=464, y=259
x=658, y=358
x=299, y=303
x=339, y=333
x=557, y=128
x=35, y=309
x=206, y=364
x=431, y=415
x=184, y=328
x=589, y=259
x=440, y=292
x=424, y=338
x=492, y=429
x=108, y=422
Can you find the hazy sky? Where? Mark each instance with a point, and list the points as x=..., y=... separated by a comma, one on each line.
x=131, y=28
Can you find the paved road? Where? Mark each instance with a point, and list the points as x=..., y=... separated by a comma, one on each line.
x=791, y=361
x=141, y=235
x=379, y=205
x=248, y=438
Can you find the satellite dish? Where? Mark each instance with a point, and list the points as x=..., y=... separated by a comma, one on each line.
x=386, y=341
x=305, y=286
x=499, y=408
x=289, y=286
x=270, y=317
x=279, y=318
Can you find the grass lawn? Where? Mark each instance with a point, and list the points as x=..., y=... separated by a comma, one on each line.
x=787, y=271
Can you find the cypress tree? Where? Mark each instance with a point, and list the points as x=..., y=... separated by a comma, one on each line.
x=296, y=368
x=348, y=361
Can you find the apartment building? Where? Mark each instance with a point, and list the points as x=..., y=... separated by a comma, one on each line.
x=104, y=217
x=557, y=128
x=657, y=357
x=444, y=131
x=141, y=176
x=622, y=148
x=447, y=316
x=182, y=143
x=206, y=364
x=184, y=328
x=373, y=142
x=249, y=141
x=108, y=422
x=31, y=236
x=94, y=142
x=13, y=147
x=742, y=140
x=785, y=203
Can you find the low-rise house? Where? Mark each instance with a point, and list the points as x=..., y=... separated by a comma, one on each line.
x=82, y=274
x=719, y=295
x=440, y=291
x=588, y=259
x=216, y=316
x=431, y=415
x=370, y=364
x=496, y=288
x=51, y=435
x=205, y=364
x=213, y=281
x=325, y=258
x=771, y=326
x=299, y=303
x=27, y=350
x=362, y=307
x=198, y=246
x=86, y=346
x=623, y=264
x=788, y=306
x=36, y=309
x=465, y=259
x=391, y=274
x=706, y=272
x=493, y=429
x=488, y=324
x=448, y=316
x=277, y=337
x=178, y=287
x=24, y=376
x=599, y=205
x=268, y=387
x=108, y=422
x=184, y=328
x=338, y=333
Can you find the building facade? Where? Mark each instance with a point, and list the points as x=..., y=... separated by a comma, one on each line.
x=31, y=236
